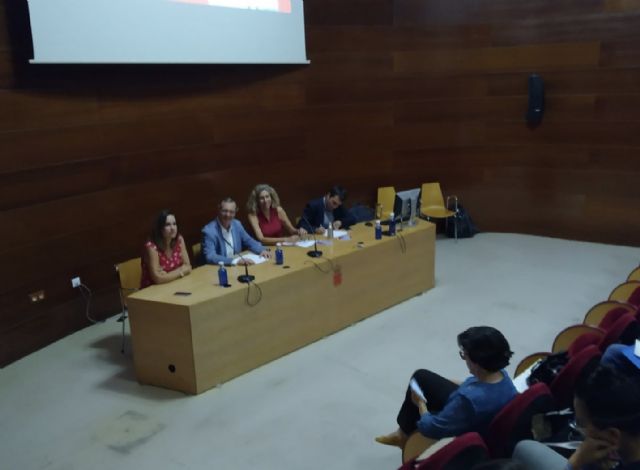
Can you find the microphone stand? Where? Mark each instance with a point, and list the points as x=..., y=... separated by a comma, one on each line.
x=315, y=253
x=245, y=278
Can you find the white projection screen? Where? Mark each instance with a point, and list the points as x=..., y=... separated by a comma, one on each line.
x=167, y=31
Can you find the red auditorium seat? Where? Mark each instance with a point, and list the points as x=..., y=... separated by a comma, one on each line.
x=625, y=329
x=563, y=385
x=584, y=340
x=463, y=452
x=513, y=423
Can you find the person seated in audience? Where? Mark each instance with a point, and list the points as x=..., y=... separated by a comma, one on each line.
x=453, y=408
x=328, y=209
x=607, y=407
x=225, y=237
x=268, y=219
x=621, y=357
x=165, y=256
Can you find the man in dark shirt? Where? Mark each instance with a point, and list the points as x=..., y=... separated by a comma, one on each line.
x=329, y=209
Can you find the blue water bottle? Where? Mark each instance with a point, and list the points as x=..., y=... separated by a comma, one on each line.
x=378, y=230
x=222, y=275
x=279, y=254
x=392, y=224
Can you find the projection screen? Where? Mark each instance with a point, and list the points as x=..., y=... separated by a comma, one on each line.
x=168, y=31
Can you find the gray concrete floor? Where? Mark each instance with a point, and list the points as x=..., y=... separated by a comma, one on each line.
x=76, y=404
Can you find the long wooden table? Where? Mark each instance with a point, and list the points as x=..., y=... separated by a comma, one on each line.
x=192, y=343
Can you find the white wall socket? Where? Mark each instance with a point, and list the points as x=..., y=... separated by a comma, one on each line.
x=75, y=282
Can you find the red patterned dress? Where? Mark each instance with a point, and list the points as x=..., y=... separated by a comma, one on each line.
x=167, y=263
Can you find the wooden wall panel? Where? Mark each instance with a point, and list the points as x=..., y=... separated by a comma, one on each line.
x=398, y=92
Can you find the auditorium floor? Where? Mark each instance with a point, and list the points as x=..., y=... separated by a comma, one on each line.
x=76, y=404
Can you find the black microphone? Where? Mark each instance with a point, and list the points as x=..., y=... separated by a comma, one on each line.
x=246, y=277
x=315, y=253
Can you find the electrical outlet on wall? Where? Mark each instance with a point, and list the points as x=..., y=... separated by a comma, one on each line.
x=37, y=296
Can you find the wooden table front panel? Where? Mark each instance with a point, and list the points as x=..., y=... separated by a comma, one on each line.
x=299, y=305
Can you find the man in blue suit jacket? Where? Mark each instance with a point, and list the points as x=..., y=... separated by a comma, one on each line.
x=328, y=209
x=224, y=237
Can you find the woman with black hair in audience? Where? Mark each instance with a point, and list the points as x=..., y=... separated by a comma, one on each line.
x=165, y=256
x=451, y=408
x=607, y=410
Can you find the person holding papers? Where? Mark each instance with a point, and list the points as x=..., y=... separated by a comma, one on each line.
x=224, y=238
x=268, y=219
x=328, y=209
x=165, y=256
x=438, y=407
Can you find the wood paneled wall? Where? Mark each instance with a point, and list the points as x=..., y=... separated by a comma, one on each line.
x=398, y=92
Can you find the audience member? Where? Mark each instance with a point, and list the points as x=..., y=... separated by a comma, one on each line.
x=451, y=408
x=607, y=406
x=268, y=219
x=621, y=357
x=225, y=237
x=165, y=256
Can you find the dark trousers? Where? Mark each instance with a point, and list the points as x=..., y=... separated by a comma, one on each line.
x=436, y=390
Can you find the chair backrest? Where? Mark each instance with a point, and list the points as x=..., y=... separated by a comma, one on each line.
x=564, y=384
x=596, y=313
x=612, y=316
x=617, y=330
x=634, y=275
x=513, y=423
x=129, y=274
x=386, y=200
x=584, y=340
x=567, y=336
x=431, y=195
x=528, y=361
x=628, y=292
x=464, y=451
x=196, y=251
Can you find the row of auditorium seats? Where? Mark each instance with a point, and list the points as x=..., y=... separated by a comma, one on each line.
x=604, y=324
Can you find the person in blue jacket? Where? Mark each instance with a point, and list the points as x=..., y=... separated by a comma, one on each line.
x=449, y=409
x=328, y=209
x=225, y=237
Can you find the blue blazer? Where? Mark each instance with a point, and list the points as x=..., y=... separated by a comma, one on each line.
x=314, y=214
x=214, y=248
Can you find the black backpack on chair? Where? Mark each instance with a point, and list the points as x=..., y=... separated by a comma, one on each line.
x=465, y=226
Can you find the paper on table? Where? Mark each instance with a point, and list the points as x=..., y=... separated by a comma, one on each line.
x=257, y=259
x=336, y=233
x=416, y=388
x=304, y=243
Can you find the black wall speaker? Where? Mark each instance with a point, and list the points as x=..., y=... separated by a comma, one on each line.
x=535, y=110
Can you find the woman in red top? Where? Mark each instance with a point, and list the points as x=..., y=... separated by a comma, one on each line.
x=268, y=219
x=165, y=256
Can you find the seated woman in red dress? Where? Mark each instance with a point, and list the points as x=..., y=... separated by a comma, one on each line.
x=268, y=219
x=165, y=256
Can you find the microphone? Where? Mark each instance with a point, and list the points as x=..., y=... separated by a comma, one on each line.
x=245, y=278
x=315, y=253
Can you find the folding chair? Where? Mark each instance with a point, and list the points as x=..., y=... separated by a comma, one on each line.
x=385, y=202
x=432, y=205
x=129, y=274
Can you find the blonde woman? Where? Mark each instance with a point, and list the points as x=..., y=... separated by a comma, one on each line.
x=268, y=219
